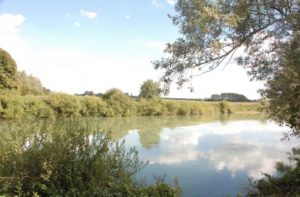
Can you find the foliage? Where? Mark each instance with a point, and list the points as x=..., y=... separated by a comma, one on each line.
x=8, y=72
x=93, y=106
x=268, y=31
x=30, y=84
x=150, y=89
x=214, y=30
x=119, y=103
x=70, y=159
x=109, y=93
x=63, y=105
x=13, y=106
x=229, y=97
x=225, y=107
x=151, y=107
x=285, y=184
x=283, y=89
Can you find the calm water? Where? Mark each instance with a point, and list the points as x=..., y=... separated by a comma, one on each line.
x=210, y=156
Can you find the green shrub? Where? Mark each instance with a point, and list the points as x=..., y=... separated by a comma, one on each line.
x=93, y=106
x=63, y=105
x=11, y=107
x=151, y=107
x=70, y=159
x=196, y=109
x=172, y=107
x=225, y=107
x=120, y=103
x=184, y=109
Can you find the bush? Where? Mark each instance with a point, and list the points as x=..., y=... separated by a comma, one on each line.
x=63, y=105
x=11, y=107
x=184, y=109
x=93, y=106
x=70, y=159
x=225, y=107
x=172, y=107
x=152, y=107
x=119, y=103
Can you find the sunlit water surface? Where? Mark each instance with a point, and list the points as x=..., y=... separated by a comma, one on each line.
x=209, y=157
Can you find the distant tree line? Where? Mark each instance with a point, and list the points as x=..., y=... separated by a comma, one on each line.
x=233, y=97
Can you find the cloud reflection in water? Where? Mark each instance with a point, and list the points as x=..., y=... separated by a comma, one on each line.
x=249, y=146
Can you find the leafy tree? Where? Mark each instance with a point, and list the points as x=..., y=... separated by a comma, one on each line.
x=8, y=71
x=229, y=97
x=114, y=91
x=213, y=31
x=283, y=89
x=88, y=93
x=30, y=84
x=150, y=89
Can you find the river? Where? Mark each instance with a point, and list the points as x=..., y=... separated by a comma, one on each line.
x=208, y=155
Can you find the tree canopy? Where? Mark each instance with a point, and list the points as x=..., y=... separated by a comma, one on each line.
x=30, y=84
x=150, y=89
x=283, y=89
x=213, y=31
x=8, y=71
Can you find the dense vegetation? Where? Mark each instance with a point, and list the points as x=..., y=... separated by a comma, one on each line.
x=113, y=104
x=70, y=158
x=8, y=72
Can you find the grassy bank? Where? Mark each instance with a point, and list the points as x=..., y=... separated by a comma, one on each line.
x=14, y=106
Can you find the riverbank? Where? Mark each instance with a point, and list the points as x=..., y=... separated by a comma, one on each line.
x=53, y=105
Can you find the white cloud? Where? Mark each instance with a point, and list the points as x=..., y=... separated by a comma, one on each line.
x=127, y=16
x=89, y=14
x=172, y=2
x=11, y=23
x=77, y=24
x=10, y=38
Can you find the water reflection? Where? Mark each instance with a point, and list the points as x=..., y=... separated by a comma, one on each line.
x=237, y=146
x=203, y=152
x=200, y=151
x=149, y=128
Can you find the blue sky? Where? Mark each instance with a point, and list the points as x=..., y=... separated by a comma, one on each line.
x=78, y=45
